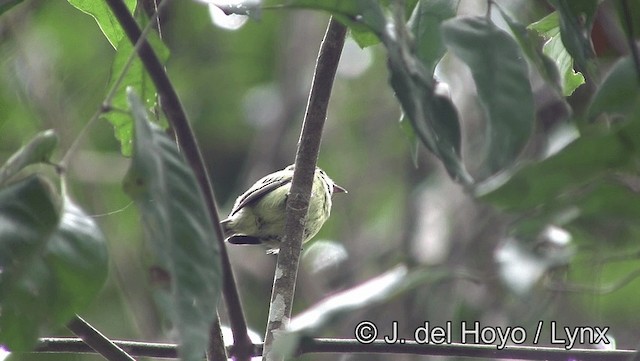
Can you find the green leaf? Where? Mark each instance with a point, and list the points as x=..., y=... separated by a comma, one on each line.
x=28, y=217
x=177, y=225
x=135, y=76
x=38, y=150
x=353, y=13
x=549, y=28
x=619, y=93
x=77, y=255
x=425, y=27
x=557, y=178
x=252, y=9
x=502, y=82
x=611, y=200
x=52, y=265
x=363, y=37
x=576, y=20
x=107, y=22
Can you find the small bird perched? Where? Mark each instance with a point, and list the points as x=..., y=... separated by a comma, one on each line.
x=258, y=215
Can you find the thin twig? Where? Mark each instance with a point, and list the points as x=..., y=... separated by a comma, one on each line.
x=175, y=114
x=628, y=21
x=97, y=341
x=298, y=200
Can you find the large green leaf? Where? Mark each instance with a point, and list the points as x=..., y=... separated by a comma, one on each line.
x=177, y=225
x=549, y=28
x=76, y=255
x=39, y=149
x=107, y=22
x=589, y=188
x=135, y=76
x=559, y=178
x=502, y=82
x=619, y=93
x=52, y=265
x=28, y=217
x=425, y=27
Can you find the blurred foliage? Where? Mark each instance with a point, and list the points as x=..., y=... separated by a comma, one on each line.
x=176, y=223
x=557, y=201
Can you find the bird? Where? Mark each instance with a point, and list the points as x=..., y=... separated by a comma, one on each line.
x=258, y=214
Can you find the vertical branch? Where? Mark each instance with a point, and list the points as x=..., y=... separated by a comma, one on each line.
x=298, y=202
x=243, y=347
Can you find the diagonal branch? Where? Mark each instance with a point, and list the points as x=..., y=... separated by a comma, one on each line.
x=134, y=348
x=97, y=341
x=177, y=117
x=305, y=165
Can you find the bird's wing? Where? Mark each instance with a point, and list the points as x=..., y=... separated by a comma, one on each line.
x=261, y=188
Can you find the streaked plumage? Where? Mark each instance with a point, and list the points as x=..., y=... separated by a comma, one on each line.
x=258, y=215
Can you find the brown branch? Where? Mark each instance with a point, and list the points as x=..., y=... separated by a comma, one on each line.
x=298, y=201
x=97, y=341
x=177, y=117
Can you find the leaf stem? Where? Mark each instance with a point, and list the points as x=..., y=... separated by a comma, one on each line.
x=305, y=164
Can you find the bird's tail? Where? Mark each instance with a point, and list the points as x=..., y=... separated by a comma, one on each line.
x=242, y=239
x=232, y=237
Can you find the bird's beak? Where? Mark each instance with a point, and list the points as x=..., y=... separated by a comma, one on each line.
x=338, y=189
